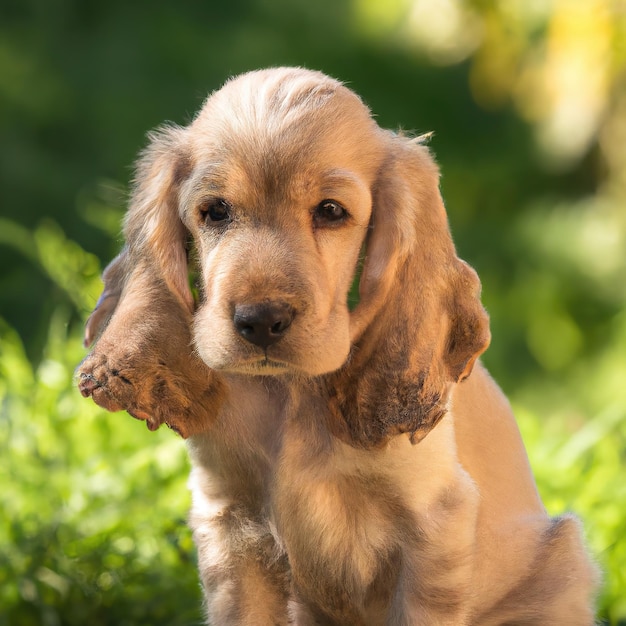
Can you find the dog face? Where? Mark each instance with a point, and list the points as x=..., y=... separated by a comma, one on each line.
x=279, y=204
x=274, y=184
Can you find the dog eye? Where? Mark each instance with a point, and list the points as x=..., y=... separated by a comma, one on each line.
x=329, y=212
x=215, y=210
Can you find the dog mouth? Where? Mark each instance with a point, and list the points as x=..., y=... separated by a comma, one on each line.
x=262, y=367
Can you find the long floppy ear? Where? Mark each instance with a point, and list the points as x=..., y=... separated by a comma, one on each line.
x=387, y=245
x=114, y=278
x=153, y=227
x=419, y=326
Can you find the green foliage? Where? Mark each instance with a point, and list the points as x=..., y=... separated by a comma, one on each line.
x=93, y=525
x=579, y=466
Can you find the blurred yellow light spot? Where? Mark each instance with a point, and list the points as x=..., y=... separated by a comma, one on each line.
x=376, y=17
x=575, y=77
x=447, y=30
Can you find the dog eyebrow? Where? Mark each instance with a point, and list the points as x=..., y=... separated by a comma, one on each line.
x=338, y=179
x=210, y=178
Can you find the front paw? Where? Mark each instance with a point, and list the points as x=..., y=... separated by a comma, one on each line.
x=143, y=361
x=184, y=395
x=112, y=387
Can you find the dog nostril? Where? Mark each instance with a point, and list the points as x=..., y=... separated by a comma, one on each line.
x=263, y=324
x=279, y=327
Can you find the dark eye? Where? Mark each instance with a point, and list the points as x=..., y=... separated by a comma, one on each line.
x=215, y=210
x=329, y=212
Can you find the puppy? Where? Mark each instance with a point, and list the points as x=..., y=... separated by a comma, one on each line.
x=351, y=466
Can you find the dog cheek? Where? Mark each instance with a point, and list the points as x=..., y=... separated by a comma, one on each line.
x=328, y=347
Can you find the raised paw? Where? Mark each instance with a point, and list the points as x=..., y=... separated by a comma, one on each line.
x=111, y=389
x=143, y=361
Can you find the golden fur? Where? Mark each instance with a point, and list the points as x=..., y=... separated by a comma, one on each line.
x=347, y=468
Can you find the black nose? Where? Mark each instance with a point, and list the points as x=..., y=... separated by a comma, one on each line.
x=263, y=324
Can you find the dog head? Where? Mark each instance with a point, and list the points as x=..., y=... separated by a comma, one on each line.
x=281, y=181
x=273, y=180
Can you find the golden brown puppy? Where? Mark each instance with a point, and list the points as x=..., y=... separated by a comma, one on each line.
x=348, y=469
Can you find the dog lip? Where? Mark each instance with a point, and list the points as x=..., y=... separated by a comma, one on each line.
x=267, y=363
x=262, y=366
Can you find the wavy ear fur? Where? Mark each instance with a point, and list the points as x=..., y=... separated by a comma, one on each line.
x=419, y=326
x=114, y=278
x=153, y=227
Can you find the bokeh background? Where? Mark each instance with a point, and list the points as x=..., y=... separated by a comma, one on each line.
x=527, y=99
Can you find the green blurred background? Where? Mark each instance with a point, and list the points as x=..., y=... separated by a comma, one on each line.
x=527, y=99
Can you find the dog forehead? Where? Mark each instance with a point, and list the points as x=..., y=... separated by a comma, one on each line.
x=288, y=111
